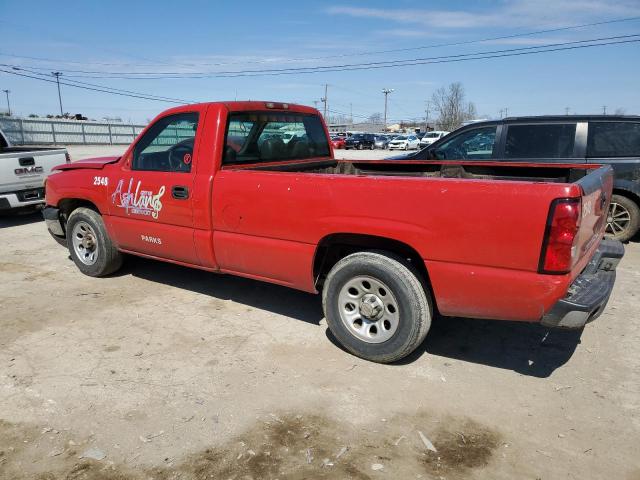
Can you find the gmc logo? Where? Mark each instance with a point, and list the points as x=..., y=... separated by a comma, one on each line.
x=28, y=170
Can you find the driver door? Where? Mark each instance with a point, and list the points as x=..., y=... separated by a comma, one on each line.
x=150, y=197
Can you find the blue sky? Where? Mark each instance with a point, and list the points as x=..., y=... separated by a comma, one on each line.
x=195, y=37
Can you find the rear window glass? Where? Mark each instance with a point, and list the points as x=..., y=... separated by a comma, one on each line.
x=540, y=141
x=613, y=139
x=270, y=136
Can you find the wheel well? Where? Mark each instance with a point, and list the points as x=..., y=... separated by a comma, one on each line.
x=627, y=193
x=68, y=205
x=334, y=247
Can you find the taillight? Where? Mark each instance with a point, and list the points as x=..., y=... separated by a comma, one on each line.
x=558, y=250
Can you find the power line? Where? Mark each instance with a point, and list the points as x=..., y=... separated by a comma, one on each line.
x=343, y=55
x=551, y=47
x=77, y=82
x=103, y=90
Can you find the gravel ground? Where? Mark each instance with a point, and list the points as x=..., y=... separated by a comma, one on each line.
x=165, y=372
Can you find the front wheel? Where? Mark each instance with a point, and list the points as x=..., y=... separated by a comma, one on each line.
x=376, y=306
x=90, y=247
x=623, y=219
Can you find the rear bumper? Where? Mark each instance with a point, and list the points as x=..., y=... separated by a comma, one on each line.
x=589, y=293
x=22, y=198
x=52, y=219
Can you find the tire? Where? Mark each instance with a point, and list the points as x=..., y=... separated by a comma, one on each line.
x=393, y=283
x=372, y=147
x=406, y=147
x=623, y=220
x=90, y=247
x=359, y=146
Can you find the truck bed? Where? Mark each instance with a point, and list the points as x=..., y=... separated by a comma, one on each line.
x=555, y=173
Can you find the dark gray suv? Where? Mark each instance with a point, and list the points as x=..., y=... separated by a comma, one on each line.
x=605, y=139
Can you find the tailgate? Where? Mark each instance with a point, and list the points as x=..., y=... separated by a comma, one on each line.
x=20, y=170
x=596, y=195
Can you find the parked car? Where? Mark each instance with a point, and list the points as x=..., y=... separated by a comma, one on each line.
x=360, y=141
x=338, y=142
x=381, y=142
x=22, y=173
x=429, y=137
x=450, y=234
x=404, y=142
x=594, y=139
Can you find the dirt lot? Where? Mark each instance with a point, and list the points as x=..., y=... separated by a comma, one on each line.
x=164, y=372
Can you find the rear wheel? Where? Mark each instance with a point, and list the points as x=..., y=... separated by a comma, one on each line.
x=376, y=306
x=623, y=219
x=90, y=247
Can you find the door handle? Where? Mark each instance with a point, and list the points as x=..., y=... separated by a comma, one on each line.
x=179, y=192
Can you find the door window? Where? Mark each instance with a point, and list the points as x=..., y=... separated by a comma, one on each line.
x=553, y=140
x=613, y=139
x=168, y=144
x=476, y=144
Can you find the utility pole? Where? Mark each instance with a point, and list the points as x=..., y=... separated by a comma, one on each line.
x=386, y=92
x=8, y=104
x=506, y=112
x=57, y=75
x=566, y=110
x=351, y=113
x=427, y=109
x=324, y=100
x=604, y=109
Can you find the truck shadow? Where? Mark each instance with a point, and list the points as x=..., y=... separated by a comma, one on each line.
x=17, y=219
x=265, y=296
x=528, y=349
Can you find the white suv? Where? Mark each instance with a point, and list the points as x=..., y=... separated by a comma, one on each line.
x=431, y=137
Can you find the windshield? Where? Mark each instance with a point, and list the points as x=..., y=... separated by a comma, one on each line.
x=270, y=136
x=432, y=135
x=400, y=137
x=357, y=136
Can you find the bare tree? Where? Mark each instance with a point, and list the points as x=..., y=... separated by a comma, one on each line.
x=452, y=107
x=620, y=111
x=375, y=118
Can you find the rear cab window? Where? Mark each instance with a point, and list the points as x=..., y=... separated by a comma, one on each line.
x=545, y=140
x=613, y=139
x=254, y=137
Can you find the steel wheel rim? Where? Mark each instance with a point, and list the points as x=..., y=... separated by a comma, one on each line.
x=368, y=309
x=85, y=243
x=618, y=219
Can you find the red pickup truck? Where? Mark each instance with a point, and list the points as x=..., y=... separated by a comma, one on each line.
x=252, y=189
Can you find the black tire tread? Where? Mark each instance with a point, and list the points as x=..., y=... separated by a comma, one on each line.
x=112, y=260
x=407, y=274
x=634, y=222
